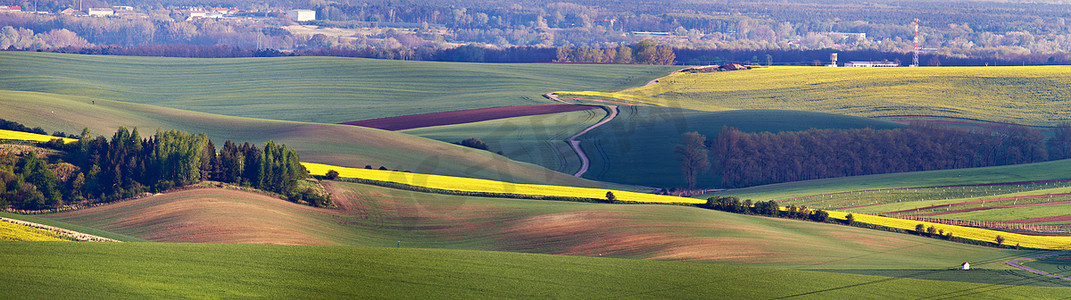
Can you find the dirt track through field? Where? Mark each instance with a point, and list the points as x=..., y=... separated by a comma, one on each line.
x=585, y=163
x=1015, y=263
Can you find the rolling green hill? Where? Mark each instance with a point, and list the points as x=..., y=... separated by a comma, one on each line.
x=539, y=139
x=342, y=145
x=308, y=89
x=376, y=216
x=154, y=270
x=1025, y=95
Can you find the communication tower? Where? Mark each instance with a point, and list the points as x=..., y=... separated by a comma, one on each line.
x=915, y=59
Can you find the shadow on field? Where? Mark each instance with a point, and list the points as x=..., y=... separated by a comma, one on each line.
x=1016, y=277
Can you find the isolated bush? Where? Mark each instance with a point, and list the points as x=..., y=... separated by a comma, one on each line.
x=849, y=219
x=819, y=216
x=610, y=197
x=1000, y=240
x=331, y=174
x=475, y=143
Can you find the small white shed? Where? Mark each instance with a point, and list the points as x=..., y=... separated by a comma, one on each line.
x=965, y=266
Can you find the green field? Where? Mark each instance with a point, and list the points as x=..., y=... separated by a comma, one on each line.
x=152, y=270
x=1025, y=95
x=637, y=146
x=1057, y=265
x=308, y=89
x=539, y=139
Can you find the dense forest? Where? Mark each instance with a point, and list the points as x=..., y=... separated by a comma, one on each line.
x=746, y=159
x=1033, y=33
x=101, y=170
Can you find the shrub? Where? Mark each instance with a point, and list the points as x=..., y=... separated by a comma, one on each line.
x=610, y=197
x=331, y=174
x=475, y=143
x=819, y=216
x=1000, y=240
x=849, y=219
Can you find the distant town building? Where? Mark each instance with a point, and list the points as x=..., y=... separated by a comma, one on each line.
x=846, y=35
x=301, y=15
x=123, y=8
x=99, y=12
x=865, y=64
x=195, y=13
x=14, y=8
x=225, y=11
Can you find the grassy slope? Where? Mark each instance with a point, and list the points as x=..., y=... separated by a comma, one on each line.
x=1026, y=95
x=74, y=227
x=310, y=89
x=15, y=232
x=148, y=270
x=637, y=146
x=1015, y=173
x=534, y=139
x=334, y=144
x=375, y=216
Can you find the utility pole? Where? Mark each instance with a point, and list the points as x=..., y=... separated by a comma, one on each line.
x=915, y=60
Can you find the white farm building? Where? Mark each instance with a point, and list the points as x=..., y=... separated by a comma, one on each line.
x=301, y=15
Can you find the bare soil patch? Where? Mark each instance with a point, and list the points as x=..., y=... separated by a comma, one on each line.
x=466, y=116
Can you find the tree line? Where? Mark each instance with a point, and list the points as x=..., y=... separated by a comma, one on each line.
x=770, y=208
x=643, y=52
x=742, y=159
x=102, y=170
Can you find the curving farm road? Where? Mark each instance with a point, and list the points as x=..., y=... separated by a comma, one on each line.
x=1015, y=263
x=585, y=163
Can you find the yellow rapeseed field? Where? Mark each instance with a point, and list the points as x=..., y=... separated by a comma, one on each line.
x=1033, y=95
x=26, y=136
x=15, y=232
x=491, y=186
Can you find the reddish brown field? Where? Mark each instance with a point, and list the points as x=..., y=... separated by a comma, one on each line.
x=466, y=116
x=209, y=216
